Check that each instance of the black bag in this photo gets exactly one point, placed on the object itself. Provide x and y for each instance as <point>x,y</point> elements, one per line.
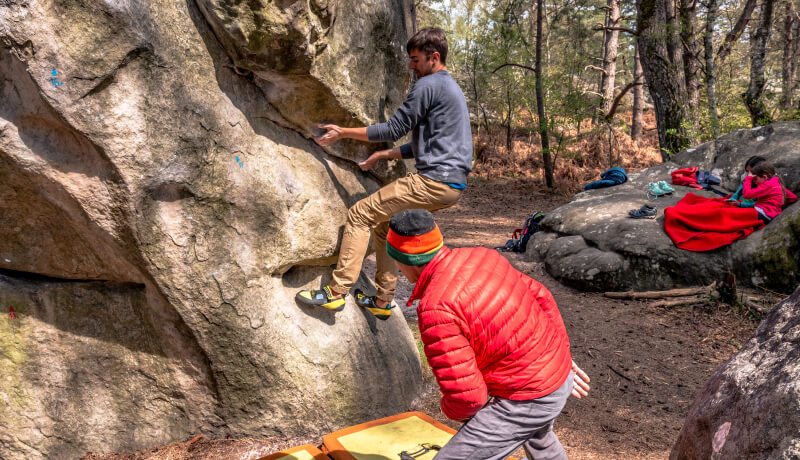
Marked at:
<point>520,238</point>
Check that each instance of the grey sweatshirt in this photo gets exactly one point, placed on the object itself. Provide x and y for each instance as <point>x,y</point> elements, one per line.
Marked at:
<point>435,112</point>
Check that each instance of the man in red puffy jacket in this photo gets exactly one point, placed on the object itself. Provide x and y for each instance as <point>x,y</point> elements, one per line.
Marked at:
<point>489,331</point>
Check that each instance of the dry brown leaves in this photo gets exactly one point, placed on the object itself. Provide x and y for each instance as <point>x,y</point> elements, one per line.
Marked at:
<point>582,157</point>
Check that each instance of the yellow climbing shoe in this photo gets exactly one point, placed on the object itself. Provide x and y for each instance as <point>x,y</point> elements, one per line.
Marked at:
<point>321,298</point>
<point>368,302</point>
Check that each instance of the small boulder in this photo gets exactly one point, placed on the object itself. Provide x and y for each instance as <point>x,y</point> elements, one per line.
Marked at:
<point>750,408</point>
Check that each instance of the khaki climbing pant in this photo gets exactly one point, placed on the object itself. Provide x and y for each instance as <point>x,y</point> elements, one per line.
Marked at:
<point>372,214</point>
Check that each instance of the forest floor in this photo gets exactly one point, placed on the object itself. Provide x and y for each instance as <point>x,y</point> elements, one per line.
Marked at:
<point>646,364</point>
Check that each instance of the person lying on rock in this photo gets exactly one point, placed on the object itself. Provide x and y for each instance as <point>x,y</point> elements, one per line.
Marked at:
<point>489,331</point>
<point>435,112</point>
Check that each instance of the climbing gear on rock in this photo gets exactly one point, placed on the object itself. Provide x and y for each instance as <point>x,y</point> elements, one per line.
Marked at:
<point>645,212</point>
<point>370,303</point>
<point>519,239</point>
<point>321,298</point>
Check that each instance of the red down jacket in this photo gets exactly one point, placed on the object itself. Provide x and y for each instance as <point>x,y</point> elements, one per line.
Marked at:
<point>488,330</point>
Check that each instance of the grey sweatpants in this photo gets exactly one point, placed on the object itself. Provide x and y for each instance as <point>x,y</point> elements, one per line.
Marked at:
<point>501,426</point>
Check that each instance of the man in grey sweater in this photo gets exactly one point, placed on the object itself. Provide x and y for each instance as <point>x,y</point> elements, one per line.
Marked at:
<point>436,113</point>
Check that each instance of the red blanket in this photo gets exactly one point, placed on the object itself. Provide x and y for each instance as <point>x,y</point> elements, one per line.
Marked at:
<point>696,223</point>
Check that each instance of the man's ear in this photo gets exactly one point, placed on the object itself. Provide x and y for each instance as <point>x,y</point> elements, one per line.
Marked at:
<point>436,57</point>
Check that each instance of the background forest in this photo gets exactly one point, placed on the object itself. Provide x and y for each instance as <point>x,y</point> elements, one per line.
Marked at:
<point>621,82</point>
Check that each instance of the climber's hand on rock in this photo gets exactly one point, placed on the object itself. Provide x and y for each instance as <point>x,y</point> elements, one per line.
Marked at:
<point>333,134</point>
<point>372,160</point>
<point>580,387</point>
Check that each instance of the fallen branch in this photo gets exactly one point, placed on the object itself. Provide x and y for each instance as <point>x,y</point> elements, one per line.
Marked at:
<point>194,440</point>
<point>619,373</point>
<point>753,303</point>
<point>682,292</point>
<point>677,302</point>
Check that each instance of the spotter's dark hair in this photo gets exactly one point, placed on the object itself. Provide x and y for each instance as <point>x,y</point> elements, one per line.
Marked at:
<point>428,41</point>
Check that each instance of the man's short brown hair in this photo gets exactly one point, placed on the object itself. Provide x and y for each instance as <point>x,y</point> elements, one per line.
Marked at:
<point>428,41</point>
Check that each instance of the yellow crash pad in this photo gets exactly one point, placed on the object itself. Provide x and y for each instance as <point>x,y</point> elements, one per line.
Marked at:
<point>304,452</point>
<point>386,438</point>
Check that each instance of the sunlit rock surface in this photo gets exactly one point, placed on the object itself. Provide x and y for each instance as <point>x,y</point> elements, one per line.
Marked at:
<point>161,203</point>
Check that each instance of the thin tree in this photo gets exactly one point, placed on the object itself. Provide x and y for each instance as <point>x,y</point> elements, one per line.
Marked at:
<point>610,50</point>
<point>753,99</point>
<point>711,82</point>
<point>791,54</point>
<point>638,97</point>
<point>736,31</point>
<point>691,65</point>
<point>547,159</point>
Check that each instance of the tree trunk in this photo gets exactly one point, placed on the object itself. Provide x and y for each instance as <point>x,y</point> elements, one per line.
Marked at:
<point>638,97</point>
<point>413,17</point>
<point>790,55</point>
<point>603,50</point>
<point>708,41</point>
<point>510,105</point>
<point>476,92</point>
<point>758,58</point>
<point>691,65</point>
<point>547,159</point>
<point>662,63</point>
<point>734,34</point>
<point>610,47</point>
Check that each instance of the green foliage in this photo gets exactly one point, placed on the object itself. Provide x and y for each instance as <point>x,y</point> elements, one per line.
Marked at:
<point>485,34</point>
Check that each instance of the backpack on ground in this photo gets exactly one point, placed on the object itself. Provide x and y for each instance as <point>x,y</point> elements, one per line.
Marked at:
<point>519,239</point>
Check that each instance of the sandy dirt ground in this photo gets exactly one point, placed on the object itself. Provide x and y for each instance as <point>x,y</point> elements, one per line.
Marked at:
<point>646,363</point>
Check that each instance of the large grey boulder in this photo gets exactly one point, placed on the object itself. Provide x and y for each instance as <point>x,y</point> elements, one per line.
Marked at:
<point>590,242</point>
<point>159,209</point>
<point>750,408</point>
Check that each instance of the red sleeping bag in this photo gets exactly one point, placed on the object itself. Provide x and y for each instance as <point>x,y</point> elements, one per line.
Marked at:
<point>696,223</point>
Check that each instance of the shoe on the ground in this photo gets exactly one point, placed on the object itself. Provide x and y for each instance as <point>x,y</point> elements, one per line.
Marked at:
<point>368,302</point>
<point>665,186</point>
<point>654,190</point>
<point>645,212</point>
<point>321,298</point>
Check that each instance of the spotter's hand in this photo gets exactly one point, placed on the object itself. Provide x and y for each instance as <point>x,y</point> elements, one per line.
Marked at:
<point>333,134</point>
<point>580,385</point>
<point>372,160</point>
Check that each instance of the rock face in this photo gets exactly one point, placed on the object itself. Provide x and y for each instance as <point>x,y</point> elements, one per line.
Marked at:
<point>750,408</point>
<point>591,243</point>
<point>161,203</point>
